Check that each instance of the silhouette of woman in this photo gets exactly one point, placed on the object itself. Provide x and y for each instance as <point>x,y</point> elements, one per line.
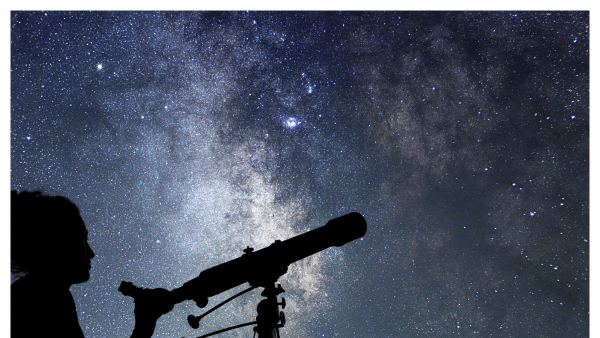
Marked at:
<point>49,244</point>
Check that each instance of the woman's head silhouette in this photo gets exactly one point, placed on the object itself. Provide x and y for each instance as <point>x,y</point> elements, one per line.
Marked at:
<point>49,238</point>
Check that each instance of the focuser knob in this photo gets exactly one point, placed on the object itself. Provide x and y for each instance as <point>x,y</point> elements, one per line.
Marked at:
<point>282,318</point>
<point>282,303</point>
<point>272,291</point>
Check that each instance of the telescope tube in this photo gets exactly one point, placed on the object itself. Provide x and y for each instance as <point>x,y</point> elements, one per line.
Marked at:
<point>268,264</point>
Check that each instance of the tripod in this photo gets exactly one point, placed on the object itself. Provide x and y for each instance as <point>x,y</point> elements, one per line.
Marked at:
<point>268,320</point>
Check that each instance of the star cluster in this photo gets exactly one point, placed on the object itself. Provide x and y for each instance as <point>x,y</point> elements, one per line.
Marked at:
<point>185,137</point>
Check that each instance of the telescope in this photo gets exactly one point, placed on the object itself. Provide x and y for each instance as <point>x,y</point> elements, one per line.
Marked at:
<point>260,268</point>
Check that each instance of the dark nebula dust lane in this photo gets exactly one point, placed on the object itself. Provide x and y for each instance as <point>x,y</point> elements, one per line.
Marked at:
<point>184,137</point>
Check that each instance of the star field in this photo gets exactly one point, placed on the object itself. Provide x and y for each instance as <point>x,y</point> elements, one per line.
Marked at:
<point>184,137</point>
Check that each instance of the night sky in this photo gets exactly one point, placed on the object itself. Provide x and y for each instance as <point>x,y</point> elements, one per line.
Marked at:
<point>183,137</point>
